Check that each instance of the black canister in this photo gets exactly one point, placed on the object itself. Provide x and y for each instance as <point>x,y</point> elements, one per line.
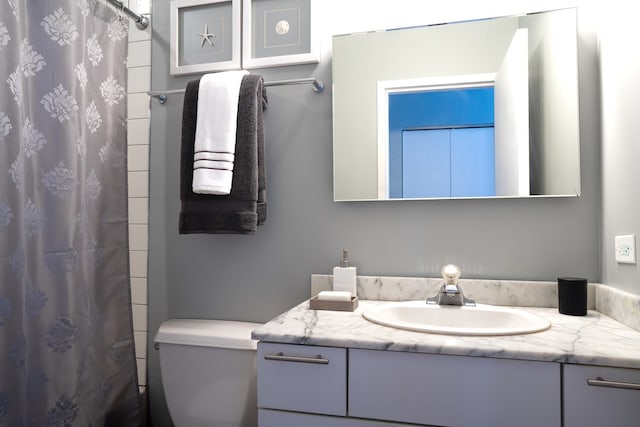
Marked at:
<point>572,296</point>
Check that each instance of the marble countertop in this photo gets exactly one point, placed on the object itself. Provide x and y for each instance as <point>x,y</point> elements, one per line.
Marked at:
<point>595,339</point>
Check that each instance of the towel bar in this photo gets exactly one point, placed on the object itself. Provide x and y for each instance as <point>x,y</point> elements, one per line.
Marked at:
<point>318,86</point>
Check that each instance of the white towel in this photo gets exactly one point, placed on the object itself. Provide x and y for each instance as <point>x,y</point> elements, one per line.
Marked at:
<point>215,139</point>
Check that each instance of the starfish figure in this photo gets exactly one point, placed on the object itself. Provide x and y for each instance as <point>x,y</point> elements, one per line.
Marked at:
<point>206,36</point>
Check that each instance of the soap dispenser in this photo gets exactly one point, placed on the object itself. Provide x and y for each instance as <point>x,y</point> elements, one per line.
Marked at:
<point>344,276</point>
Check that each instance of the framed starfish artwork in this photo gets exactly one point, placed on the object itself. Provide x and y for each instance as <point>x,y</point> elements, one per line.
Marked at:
<point>277,33</point>
<point>205,36</point>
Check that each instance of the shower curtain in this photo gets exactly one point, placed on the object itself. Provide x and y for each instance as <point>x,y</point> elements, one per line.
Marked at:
<point>66,340</point>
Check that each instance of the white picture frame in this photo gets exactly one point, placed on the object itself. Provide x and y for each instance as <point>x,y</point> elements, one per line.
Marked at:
<point>278,33</point>
<point>205,36</point>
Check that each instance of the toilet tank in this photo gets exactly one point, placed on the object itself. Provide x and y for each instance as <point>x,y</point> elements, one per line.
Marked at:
<point>208,370</point>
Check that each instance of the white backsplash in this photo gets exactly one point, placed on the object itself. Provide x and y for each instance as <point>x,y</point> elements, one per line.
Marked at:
<point>619,305</point>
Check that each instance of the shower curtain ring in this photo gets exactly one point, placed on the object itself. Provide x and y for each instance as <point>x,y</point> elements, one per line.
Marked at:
<point>120,11</point>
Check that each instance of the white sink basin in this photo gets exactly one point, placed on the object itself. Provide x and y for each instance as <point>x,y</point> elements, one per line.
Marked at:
<point>480,320</point>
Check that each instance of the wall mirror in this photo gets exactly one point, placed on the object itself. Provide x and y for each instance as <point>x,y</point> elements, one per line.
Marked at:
<point>485,108</point>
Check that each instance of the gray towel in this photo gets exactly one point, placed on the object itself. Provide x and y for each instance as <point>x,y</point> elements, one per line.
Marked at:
<point>245,207</point>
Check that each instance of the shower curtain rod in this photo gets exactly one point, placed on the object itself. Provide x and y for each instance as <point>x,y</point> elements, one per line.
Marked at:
<point>318,86</point>
<point>141,21</point>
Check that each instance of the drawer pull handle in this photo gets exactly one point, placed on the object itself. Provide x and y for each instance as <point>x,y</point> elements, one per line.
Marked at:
<point>318,360</point>
<point>599,382</point>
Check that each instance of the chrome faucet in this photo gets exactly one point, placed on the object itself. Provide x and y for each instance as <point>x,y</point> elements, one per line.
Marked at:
<point>450,292</point>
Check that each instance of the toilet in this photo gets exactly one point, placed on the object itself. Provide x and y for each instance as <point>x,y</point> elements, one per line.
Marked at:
<point>208,370</point>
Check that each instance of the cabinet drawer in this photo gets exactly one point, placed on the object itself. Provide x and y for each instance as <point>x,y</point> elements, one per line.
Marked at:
<point>597,396</point>
<point>271,418</point>
<point>453,390</point>
<point>302,378</point>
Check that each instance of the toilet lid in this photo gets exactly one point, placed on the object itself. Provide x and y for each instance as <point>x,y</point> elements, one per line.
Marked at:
<point>208,333</point>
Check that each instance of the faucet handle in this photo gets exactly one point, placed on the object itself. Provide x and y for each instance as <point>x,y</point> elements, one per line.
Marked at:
<point>451,273</point>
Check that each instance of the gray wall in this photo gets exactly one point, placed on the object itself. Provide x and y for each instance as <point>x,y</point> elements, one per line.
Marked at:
<point>620,147</point>
<point>255,278</point>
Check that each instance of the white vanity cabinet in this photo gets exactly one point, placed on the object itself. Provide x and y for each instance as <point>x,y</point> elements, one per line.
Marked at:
<point>302,378</point>
<point>336,387</point>
<point>270,418</point>
<point>597,396</point>
<point>453,390</point>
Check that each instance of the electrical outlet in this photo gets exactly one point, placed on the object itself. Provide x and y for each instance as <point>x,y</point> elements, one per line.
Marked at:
<point>626,249</point>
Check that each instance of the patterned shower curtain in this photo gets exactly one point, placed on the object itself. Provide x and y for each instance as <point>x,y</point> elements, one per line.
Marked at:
<point>66,340</point>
